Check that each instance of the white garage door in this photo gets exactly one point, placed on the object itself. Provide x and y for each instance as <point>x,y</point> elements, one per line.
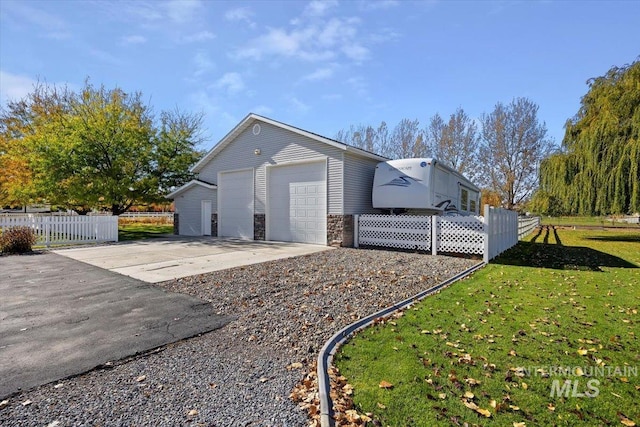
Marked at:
<point>297,203</point>
<point>235,204</point>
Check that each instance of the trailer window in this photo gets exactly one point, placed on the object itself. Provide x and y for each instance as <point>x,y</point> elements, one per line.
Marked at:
<point>464,199</point>
<point>472,206</point>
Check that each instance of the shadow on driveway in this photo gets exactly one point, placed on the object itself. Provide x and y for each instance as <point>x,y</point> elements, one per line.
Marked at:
<point>60,317</point>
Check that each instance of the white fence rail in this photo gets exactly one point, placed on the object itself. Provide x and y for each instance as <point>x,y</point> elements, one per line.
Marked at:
<point>488,236</point>
<point>527,225</point>
<point>56,230</point>
<point>168,215</point>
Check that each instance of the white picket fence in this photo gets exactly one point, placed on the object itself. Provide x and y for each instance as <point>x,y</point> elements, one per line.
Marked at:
<point>57,230</point>
<point>488,235</point>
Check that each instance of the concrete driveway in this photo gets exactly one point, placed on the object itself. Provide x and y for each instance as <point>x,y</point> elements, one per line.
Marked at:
<point>60,317</point>
<point>157,260</point>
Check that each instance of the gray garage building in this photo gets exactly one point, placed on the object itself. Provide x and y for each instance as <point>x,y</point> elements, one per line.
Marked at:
<point>266,180</point>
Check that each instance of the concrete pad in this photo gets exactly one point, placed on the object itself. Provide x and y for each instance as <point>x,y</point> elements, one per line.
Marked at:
<point>60,317</point>
<point>157,260</point>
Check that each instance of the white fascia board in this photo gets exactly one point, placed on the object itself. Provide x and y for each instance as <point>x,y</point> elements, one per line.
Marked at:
<point>188,185</point>
<point>247,120</point>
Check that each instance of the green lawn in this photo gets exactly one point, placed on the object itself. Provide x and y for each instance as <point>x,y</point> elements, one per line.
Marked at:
<point>138,231</point>
<point>509,337</point>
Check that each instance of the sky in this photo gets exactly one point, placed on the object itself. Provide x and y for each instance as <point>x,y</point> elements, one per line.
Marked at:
<point>321,65</point>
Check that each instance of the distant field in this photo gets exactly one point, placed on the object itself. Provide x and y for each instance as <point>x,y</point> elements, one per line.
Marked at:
<point>586,221</point>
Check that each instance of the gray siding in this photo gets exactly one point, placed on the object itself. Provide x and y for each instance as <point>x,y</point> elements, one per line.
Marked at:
<point>358,183</point>
<point>188,206</point>
<point>277,146</point>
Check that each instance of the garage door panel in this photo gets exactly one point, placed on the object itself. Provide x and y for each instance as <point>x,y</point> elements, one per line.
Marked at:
<point>297,203</point>
<point>235,206</point>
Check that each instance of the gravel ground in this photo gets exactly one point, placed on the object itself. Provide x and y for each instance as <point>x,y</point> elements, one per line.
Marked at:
<point>240,375</point>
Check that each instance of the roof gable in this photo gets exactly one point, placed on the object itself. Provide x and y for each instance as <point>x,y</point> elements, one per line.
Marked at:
<point>194,182</point>
<point>249,119</point>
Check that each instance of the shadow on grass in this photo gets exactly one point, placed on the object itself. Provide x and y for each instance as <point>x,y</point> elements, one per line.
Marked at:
<point>633,238</point>
<point>559,257</point>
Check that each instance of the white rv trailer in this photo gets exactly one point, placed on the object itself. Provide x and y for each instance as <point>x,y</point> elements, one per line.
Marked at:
<point>426,185</point>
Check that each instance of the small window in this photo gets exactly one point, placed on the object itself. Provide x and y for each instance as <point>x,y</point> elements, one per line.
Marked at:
<point>464,200</point>
<point>472,206</point>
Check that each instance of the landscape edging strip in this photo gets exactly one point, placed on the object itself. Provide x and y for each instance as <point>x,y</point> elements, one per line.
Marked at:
<point>325,358</point>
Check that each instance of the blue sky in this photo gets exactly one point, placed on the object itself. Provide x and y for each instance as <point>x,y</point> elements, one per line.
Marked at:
<point>321,65</point>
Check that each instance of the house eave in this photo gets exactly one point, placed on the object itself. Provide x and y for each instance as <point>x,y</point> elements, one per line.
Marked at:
<point>188,185</point>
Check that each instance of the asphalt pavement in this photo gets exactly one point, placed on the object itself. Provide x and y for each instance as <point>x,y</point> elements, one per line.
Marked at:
<point>60,317</point>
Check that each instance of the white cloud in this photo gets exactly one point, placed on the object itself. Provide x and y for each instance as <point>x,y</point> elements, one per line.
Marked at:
<point>262,110</point>
<point>50,24</point>
<point>240,14</point>
<point>199,37</point>
<point>104,56</point>
<point>384,35</point>
<point>356,52</point>
<point>319,7</point>
<point>134,39</point>
<point>14,87</point>
<point>332,96</point>
<point>182,11</point>
<point>232,83</point>
<point>378,4</point>
<point>359,86</point>
<point>320,74</point>
<point>322,40</point>
<point>203,63</point>
<point>297,106</point>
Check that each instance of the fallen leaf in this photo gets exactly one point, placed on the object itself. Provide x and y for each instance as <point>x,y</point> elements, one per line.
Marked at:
<point>295,365</point>
<point>472,381</point>
<point>469,395</point>
<point>141,378</point>
<point>521,424</point>
<point>442,396</point>
<point>385,384</point>
<point>470,405</point>
<point>524,386</point>
<point>4,404</point>
<point>582,351</point>
<point>579,372</point>
<point>27,402</point>
<point>515,408</point>
<point>626,421</point>
<point>551,407</point>
<point>380,405</point>
<point>493,403</point>
<point>192,413</point>
<point>483,412</point>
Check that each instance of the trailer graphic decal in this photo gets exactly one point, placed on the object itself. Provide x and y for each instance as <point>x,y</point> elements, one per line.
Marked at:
<point>402,181</point>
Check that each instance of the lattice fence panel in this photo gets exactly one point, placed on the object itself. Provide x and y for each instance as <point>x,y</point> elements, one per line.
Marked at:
<point>395,231</point>
<point>463,235</point>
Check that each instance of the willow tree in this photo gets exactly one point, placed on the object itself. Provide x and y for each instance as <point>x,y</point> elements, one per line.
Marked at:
<point>598,170</point>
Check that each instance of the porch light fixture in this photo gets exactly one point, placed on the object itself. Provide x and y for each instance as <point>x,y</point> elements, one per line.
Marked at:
<point>257,151</point>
